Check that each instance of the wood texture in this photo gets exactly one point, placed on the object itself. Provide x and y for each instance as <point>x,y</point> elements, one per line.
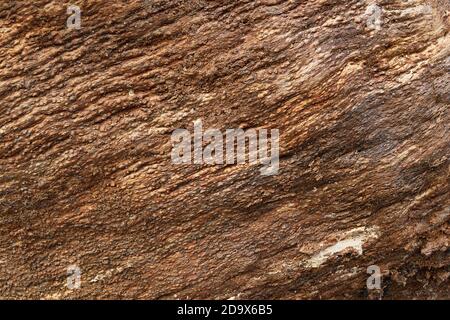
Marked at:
<point>86,176</point>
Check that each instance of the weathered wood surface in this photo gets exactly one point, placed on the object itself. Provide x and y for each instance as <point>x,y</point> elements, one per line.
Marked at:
<point>86,176</point>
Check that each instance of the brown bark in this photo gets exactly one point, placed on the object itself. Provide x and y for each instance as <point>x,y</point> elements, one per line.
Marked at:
<point>86,176</point>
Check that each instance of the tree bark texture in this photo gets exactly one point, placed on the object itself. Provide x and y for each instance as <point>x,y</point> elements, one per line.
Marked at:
<point>86,176</point>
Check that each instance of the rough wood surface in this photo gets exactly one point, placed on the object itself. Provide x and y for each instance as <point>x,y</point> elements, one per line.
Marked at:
<point>86,176</point>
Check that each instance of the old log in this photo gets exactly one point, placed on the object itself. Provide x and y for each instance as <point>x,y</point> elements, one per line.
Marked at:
<point>359,91</point>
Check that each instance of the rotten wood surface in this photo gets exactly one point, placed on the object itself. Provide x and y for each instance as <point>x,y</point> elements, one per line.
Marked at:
<point>86,177</point>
